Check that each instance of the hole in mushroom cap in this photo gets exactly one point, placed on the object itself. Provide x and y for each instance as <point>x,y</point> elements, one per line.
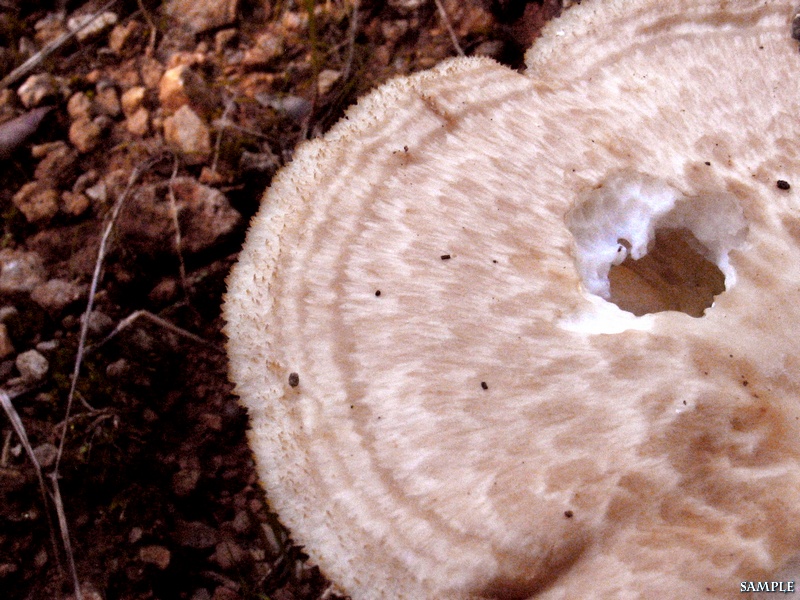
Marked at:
<point>642,247</point>
<point>673,275</point>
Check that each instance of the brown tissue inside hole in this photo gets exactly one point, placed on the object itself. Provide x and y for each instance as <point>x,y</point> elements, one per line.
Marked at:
<point>673,275</point>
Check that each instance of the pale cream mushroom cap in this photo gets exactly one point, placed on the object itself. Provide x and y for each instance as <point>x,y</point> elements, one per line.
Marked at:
<point>611,456</point>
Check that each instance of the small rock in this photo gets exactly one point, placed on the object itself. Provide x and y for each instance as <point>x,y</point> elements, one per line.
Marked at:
<point>185,481</point>
<point>46,455</point>
<point>117,369</point>
<point>394,30</point>
<point>11,479</point>
<point>27,47</point>
<point>263,163</point>
<point>211,421</point>
<point>85,135</point>
<point>107,101</point>
<point>37,200</point>
<point>99,323</point>
<point>182,86</point>
<point>132,99</point>
<point>55,295</point>
<point>6,370</point>
<point>225,593</point>
<point>39,151</point>
<point>79,106</point>
<point>406,6</point>
<point>195,535</point>
<point>8,312</point>
<point>85,181</point>
<point>151,70</point>
<point>6,346</point>
<point>88,27</point>
<point>155,555</point>
<point>326,79</point>
<point>124,36</point>
<point>40,559</point>
<point>20,271</point>
<point>242,522</point>
<point>491,48</point>
<point>88,592</point>
<point>98,193</point>
<point>294,107</point>
<point>47,346</point>
<point>50,28</point>
<point>7,569</point>
<point>32,366</point>
<point>211,177</point>
<point>204,215</point>
<point>201,16</point>
<point>74,204</point>
<point>164,292</point>
<point>139,122</point>
<point>223,39</point>
<point>135,535</point>
<point>228,554</point>
<point>187,134</point>
<point>267,48</point>
<point>37,89</point>
<point>59,165</point>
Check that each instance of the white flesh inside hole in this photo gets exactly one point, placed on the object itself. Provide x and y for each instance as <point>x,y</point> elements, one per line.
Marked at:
<point>688,239</point>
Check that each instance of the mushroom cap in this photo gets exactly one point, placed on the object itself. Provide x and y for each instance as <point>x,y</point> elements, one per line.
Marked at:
<point>607,455</point>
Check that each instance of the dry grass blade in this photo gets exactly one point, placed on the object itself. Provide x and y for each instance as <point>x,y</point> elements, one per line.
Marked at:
<point>351,41</point>
<point>62,526</point>
<point>173,209</point>
<point>22,434</point>
<point>104,241</point>
<point>144,314</point>
<point>153,28</point>
<point>449,26</point>
<point>35,60</point>
<point>101,253</point>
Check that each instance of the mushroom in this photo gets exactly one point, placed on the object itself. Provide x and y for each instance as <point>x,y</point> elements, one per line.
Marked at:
<point>493,424</point>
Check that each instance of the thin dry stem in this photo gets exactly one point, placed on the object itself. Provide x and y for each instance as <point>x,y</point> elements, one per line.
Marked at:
<point>449,26</point>
<point>173,209</point>
<point>101,253</point>
<point>104,241</point>
<point>144,314</point>
<point>6,450</point>
<point>223,121</point>
<point>351,41</point>
<point>62,525</point>
<point>153,29</point>
<point>22,434</point>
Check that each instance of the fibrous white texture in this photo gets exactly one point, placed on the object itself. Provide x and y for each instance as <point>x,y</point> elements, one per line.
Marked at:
<point>657,457</point>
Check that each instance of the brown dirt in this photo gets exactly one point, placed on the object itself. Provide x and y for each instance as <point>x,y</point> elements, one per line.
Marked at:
<point>158,484</point>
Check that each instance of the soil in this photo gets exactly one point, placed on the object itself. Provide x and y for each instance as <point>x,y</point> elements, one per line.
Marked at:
<point>156,481</point>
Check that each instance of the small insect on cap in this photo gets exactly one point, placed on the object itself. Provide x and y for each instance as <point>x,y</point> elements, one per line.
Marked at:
<point>580,378</point>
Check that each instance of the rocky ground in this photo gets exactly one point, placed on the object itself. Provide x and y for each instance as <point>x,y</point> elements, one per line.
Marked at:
<point>134,151</point>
